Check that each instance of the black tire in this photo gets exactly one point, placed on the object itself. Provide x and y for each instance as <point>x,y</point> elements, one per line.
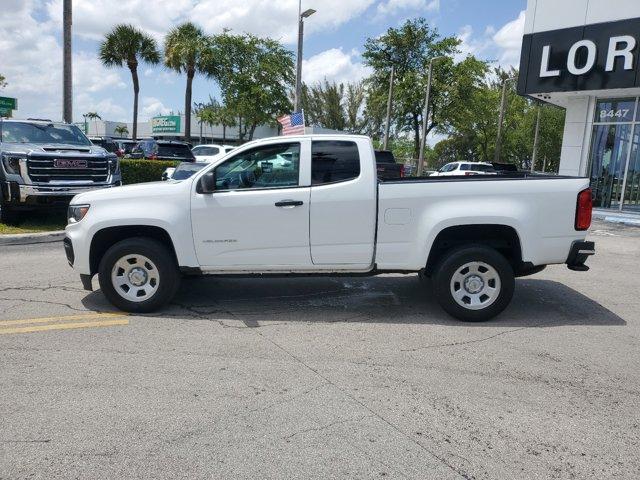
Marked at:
<point>8,216</point>
<point>478,256</point>
<point>162,259</point>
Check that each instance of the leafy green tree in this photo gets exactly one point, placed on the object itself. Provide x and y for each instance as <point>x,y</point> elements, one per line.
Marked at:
<point>187,50</point>
<point>255,75</point>
<point>3,81</point>
<point>472,127</point>
<point>127,45</point>
<point>332,105</point>
<point>121,130</point>
<point>93,116</point>
<point>409,49</point>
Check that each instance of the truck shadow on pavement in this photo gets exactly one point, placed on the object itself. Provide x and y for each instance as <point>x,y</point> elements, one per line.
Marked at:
<point>391,299</point>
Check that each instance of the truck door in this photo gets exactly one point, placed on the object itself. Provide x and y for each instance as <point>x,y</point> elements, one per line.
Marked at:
<point>343,203</point>
<point>258,217</point>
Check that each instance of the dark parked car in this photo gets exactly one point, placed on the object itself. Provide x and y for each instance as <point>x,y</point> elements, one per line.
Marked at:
<point>163,150</point>
<point>125,147</point>
<point>105,142</point>
<point>387,166</point>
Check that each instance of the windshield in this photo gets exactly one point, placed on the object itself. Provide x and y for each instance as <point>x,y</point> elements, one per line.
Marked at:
<point>186,170</point>
<point>202,151</point>
<point>23,132</point>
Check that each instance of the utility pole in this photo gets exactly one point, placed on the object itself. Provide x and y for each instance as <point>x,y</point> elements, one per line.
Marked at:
<point>425,117</point>
<point>536,139</point>
<point>389,106</point>
<point>301,16</point>
<point>67,78</point>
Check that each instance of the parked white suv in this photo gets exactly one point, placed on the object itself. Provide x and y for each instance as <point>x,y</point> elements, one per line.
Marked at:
<point>210,153</point>
<point>207,153</point>
<point>465,168</point>
<point>313,204</point>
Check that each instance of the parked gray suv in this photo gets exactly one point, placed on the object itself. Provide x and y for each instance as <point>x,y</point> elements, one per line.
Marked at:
<point>43,164</point>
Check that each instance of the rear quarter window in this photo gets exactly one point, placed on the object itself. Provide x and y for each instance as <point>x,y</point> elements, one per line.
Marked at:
<point>334,161</point>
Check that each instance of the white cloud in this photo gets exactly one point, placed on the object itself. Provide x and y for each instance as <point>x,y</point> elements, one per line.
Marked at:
<point>334,64</point>
<point>501,47</point>
<point>152,106</point>
<point>32,63</point>
<point>94,18</point>
<point>509,41</point>
<point>391,7</point>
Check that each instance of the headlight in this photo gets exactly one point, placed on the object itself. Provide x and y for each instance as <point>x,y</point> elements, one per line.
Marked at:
<point>114,165</point>
<point>11,163</point>
<point>77,213</point>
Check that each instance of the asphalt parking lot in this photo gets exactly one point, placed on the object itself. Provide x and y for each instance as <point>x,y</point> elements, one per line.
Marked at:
<point>321,378</point>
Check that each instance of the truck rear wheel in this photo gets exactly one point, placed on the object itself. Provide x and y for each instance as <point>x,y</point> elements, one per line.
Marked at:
<point>139,275</point>
<point>474,283</point>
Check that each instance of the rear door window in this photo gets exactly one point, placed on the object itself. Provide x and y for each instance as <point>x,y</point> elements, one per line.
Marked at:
<point>334,161</point>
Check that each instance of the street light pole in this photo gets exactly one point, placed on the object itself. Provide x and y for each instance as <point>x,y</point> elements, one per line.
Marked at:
<point>67,79</point>
<point>536,139</point>
<point>389,106</point>
<point>301,16</point>
<point>425,117</point>
<point>503,105</point>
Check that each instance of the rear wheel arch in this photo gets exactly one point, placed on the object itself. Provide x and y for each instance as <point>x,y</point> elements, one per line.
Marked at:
<point>502,238</point>
<point>107,237</point>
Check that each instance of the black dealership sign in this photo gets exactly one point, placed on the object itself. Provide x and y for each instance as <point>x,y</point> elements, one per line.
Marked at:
<point>593,57</point>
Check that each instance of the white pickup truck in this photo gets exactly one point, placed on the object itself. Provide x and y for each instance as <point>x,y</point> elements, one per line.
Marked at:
<point>313,205</point>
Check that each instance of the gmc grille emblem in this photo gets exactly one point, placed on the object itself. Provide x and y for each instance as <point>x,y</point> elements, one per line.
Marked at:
<point>69,163</point>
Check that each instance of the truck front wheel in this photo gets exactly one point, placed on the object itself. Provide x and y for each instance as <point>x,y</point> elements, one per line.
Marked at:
<point>474,283</point>
<point>139,275</point>
<point>8,216</point>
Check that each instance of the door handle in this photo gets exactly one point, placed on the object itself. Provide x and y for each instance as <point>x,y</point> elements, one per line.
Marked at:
<point>289,203</point>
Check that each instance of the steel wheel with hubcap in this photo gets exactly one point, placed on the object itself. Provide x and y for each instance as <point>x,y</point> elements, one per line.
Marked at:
<point>474,283</point>
<point>135,278</point>
<point>139,275</point>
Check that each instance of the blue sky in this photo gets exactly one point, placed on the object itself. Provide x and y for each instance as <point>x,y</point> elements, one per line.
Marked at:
<point>335,35</point>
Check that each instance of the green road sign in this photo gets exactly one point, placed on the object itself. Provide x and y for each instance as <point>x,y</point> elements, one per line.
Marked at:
<point>5,112</point>
<point>8,103</point>
<point>165,124</point>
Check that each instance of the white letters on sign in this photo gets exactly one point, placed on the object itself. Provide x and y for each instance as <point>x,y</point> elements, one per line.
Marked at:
<point>621,46</point>
<point>544,66</point>
<point>591,57</point>
<point>626,52</point>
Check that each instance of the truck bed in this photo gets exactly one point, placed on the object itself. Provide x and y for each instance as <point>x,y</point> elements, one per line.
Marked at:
<point>540,208</point>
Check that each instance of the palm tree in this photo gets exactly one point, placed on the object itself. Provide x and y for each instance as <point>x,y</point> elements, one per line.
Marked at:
<point>126,44</point>
<point>121,130</point>
<point>184,49</point>
<point>93,116</point>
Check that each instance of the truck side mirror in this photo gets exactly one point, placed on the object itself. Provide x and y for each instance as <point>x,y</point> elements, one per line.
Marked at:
<point>207,183</point>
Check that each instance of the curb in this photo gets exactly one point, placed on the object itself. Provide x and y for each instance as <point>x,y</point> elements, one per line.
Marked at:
<point>32,238</point>
<point>620,218</point>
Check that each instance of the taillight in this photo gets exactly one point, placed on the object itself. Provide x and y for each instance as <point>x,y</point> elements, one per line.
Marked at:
<point>153,156</point>
<point>583,210</point>
<point>402,170</point>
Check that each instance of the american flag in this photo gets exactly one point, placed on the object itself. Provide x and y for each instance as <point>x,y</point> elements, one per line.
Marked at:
<point>292,124</point>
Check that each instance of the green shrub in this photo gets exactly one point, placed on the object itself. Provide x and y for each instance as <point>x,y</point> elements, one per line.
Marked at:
<point>142,171</point>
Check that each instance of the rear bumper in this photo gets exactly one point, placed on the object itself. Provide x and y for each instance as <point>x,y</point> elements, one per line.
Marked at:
<point>578,255</point>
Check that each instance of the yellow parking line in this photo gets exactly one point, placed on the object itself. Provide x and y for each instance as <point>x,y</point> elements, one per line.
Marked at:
<point>64,326</point>
<point>86,316</point>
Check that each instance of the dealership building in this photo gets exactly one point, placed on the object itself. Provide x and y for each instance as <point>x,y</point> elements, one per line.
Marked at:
<point>584,55</point>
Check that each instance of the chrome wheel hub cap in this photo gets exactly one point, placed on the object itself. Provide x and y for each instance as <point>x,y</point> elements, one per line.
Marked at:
<point>135,278</point>
<point>475,285</point>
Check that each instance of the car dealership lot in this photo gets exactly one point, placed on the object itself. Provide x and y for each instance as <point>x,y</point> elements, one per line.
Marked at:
<point>321,378</point>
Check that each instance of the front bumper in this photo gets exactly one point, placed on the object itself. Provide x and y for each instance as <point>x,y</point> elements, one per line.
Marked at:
<point>578,255</point>
<point>32,195</point>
